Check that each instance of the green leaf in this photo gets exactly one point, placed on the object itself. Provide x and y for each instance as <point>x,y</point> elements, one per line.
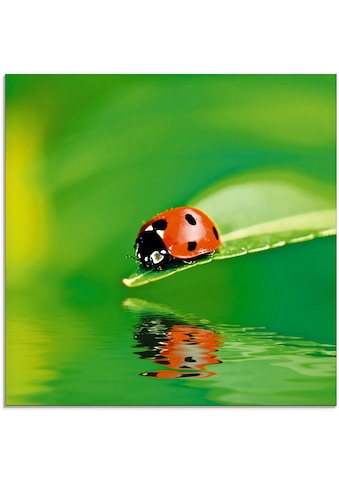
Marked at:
<point>258,211</point>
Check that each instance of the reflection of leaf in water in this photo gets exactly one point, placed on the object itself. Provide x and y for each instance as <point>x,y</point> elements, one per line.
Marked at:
<point>263,368</point>
<point>260,367</point>
<point>304,357</point>
<point>143,307</point>
<point>259,211</point>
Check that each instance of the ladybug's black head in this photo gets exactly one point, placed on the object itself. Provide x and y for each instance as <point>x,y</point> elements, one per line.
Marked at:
<point>151,250</point>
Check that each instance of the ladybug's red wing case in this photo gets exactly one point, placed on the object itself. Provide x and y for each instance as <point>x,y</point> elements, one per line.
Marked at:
<point>177,235</point>
<point>190,233</point>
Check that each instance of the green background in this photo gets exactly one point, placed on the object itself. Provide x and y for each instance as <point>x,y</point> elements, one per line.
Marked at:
<point>88,159</point>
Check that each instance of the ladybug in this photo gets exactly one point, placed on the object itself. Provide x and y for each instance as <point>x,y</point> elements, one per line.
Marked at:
<point>174,237</point>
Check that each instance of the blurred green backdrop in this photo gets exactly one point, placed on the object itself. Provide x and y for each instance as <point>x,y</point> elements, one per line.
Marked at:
<point>88,158</point>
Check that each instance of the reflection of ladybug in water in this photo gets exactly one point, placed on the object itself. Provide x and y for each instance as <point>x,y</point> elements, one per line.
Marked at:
<point>184,349</point>
<point>179,235</point>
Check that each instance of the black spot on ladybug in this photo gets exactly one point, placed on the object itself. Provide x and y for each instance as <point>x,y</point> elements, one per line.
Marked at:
<point>190,219</point>
<point>191,245</point>
<point>215,233</point>
<point>159,225</point>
